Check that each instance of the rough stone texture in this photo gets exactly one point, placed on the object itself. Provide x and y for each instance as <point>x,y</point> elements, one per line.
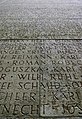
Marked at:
<point>60,89</point>
<point>40,79</point>
<point>40,19</point>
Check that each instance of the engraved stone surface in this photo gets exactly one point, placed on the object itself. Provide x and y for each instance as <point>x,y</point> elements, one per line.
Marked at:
<point>40,79</point>
<point>61,86</point>
<point>19,78</point>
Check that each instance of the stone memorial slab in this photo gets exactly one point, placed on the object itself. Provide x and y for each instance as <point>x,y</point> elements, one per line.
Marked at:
<point>19,79</point>
<point>61,86</point>
<point>40,79</point>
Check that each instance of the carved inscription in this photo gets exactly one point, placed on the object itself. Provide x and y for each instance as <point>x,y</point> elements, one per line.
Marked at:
<point>61,86</point>
<point>40,79</point>
<point>19,79</point>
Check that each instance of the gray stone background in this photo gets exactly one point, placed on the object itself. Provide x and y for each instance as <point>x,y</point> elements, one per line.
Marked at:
<point>41,19</point>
